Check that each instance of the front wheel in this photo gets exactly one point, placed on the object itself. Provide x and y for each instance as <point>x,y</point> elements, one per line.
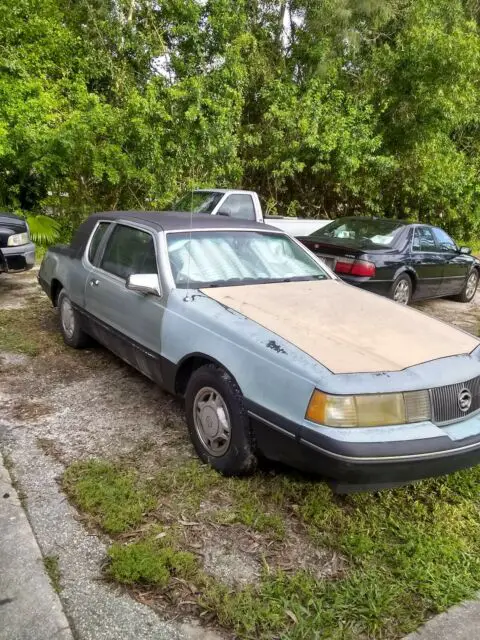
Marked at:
<point>401,290</point>
<point>218,422</point>
<point>70,324</point>
<point>470,288</point>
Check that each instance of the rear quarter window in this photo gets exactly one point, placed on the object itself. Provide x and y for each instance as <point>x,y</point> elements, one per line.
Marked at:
<point>96,240</point>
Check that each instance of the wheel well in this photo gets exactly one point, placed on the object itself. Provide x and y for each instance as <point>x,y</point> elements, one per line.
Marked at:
<point>55,289</point>
<point>412,275</point>
<point>187,368</point>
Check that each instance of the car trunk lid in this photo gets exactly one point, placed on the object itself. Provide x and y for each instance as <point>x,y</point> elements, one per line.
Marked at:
<point>345,258</point>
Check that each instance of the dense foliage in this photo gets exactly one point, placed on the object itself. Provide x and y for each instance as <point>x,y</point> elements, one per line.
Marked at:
<point>325,107</point>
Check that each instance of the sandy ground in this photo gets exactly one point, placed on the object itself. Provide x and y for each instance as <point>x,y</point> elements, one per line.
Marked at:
<point>62,405</point>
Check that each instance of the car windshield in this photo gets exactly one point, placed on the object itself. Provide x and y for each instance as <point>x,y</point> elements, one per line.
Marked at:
<point>362,232</point>
<point>223,258</point>
<point>198,202</point>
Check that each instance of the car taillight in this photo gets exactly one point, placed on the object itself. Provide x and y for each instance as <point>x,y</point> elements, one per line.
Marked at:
<point>363,268</point>
<point>355,267</point>
<point>344,266</point>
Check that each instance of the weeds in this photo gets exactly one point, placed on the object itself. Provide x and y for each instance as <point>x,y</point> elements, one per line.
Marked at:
<point>409,552</point>
<point>53,570</point>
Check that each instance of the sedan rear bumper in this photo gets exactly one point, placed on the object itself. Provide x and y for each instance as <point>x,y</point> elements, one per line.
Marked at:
<point>365,466</point>
<point>380,287</point>
<point>19,258</point>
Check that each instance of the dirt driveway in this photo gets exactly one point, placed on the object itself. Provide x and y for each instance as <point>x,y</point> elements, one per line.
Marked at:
<point>59,405</point>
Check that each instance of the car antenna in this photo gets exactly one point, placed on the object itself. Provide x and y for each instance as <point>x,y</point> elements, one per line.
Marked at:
<point>188,297</point>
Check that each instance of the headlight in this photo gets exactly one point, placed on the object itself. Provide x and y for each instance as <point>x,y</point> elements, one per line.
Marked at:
<point>373,410</point>
<point>17,239</point>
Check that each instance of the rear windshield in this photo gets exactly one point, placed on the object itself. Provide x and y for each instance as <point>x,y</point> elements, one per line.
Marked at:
<point>361,232</point>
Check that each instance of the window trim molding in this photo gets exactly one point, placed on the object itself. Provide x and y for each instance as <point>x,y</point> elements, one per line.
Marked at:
<point>139,227</point>
<point>425,226</point>
<point>99,250</point>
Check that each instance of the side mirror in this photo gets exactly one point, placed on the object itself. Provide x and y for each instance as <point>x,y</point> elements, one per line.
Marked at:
<point>146,283</point>
<point>465,250</point>
<point>223,213</point>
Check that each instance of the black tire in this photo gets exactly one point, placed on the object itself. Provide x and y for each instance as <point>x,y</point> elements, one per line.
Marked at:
<point>73,336</point>
<point>239,457</point>
<point>469,288</point>
<point>401,290</point>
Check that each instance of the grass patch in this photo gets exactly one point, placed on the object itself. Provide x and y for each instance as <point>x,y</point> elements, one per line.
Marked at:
<point>113,496</point>
<point>53,570</point>
<point>245,500</point>
<point>151,561</point>
<point>30,330</point>
<point>410,552</point>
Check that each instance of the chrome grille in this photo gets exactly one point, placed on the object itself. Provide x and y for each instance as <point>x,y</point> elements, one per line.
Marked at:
<point>445,401</point>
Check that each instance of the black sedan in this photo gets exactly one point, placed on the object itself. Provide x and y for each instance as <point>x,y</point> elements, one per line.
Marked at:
<point>401,261</point>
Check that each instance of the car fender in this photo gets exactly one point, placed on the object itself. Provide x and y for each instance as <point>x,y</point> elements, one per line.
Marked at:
<point>408,270</point>
<point>270,371</point>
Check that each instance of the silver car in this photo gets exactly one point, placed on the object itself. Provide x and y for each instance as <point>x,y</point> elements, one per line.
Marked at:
<point>273,354</point>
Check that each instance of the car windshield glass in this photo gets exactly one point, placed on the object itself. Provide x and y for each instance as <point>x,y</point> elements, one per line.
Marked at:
<point>224,258</point>
<point>362,232</point>
<point>198,202</point>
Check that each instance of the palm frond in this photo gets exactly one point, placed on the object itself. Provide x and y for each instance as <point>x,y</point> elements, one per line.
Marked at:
<point>43,229</point>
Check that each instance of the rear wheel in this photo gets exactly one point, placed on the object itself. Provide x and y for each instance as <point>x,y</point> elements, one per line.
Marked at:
<point>470,288</point>
<point>218,422</point>
<point>401,290</point>
<point>70,324</point>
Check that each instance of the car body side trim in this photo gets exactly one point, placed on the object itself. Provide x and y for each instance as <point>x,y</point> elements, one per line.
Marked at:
<point>271,424</point>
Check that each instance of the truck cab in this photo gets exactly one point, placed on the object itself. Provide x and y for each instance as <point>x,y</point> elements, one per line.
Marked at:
<point>226,202</point>
<point>237,203</point>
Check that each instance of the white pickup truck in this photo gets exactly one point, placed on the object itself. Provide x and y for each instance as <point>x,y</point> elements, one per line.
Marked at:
<point>243,204</point>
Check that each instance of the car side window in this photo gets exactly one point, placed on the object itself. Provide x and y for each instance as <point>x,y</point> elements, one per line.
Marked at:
<point>445,243</point>
<point>96,240</point>
<point>129,251</point>
<point>239,205</point>
<point>423,240</point>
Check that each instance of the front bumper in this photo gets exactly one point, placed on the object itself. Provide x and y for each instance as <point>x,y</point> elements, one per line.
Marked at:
<point>19,258</point>
<point>366,461</point>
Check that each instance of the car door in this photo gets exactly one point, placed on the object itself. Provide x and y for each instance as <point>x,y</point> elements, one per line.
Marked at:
<point>427,262</point>
<point>456,265</point>
<point>127,322</point>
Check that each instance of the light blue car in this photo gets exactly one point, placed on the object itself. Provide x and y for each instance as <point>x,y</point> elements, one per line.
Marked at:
<point>274,355</point>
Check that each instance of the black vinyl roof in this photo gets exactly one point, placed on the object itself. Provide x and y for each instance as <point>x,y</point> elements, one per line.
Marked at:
<point>163,221</point>
<point>177,220</point>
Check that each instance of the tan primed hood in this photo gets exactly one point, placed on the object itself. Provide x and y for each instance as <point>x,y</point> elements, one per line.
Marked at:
<point>346,329</point>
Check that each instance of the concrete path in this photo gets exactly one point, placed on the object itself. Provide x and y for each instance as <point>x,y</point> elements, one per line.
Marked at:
<point>458,623</point>
<point>29,607</point>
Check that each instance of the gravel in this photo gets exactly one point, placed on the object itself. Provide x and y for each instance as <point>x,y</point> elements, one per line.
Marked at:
<point>55,409</point>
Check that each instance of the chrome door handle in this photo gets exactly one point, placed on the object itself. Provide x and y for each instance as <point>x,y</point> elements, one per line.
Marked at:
<point>94,283</point>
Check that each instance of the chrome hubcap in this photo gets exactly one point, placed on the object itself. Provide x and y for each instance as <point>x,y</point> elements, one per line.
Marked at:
<point>402,292</point>
<point>471,285</point>
<point>212,421</point>
<point>67,317</point>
